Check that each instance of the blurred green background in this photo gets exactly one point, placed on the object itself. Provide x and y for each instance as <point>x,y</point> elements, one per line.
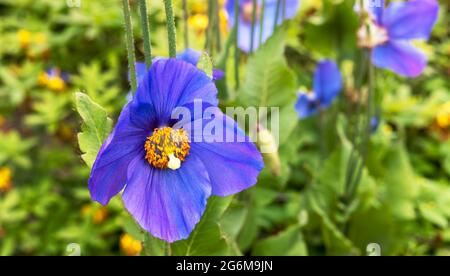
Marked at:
<point>402,203</point>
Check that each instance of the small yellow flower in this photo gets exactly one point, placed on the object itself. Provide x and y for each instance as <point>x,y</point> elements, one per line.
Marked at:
<point>387,129</point>
<point>100,215</point>
<point>199,22</point>
<point>24,37</point>
<point>53,82</point>
<point>130,246</point>
<point>5,179</point>
<point>443,116</point>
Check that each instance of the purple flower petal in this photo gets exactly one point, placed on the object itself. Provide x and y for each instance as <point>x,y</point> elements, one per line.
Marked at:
<point>172,83</point>
<point>411,20</point>
<point>400,57</point>
<point>108,175</point>
<point>190,56</point>
<point>327,82</point>
<point>231,160</point>
<point>167,203</point>
<point>306,105</point>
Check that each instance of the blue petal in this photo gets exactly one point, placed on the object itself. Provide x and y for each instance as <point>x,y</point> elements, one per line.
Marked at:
<point>231,160</point>
<point>327,82</point>
<point>167,203</point>
<point>306,105</point>
<point>400,57</point>
<point>171,83</point>
<point>244,36</point>
<point>218,74</point>
<point>411,20</point>
<point>190,56</point>
<point>109,171</point>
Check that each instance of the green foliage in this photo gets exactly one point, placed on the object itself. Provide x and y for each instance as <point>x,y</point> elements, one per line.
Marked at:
<point>95,129</point>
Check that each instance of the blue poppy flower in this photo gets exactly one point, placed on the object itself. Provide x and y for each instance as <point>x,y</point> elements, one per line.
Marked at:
<point>167,167</point>
<point>327,85</point>
<point>389,33</point>
<point>245,20</point>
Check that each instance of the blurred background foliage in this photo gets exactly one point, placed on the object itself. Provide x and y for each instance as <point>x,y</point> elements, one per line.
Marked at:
<point>49,51</point>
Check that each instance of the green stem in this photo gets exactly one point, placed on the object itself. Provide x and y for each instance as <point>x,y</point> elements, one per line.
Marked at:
<point>277,13</point>
<point>261,21</point>
<point>218,34</point>
<point>168,249</point>
<point>129,44</point>
<point>283,11</point>
<point>252,33</point>
<point>171,30</point>
<point>186,29</point>
<point>145,33</point>
<point>236,48</point>
<point>209,29</point>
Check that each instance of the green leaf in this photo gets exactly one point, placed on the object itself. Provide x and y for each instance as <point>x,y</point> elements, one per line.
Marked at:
<point>207,238</point>
<point>205,64</point>
<point>269,81</point>
<point>95,129</point>
<point>289,242</point>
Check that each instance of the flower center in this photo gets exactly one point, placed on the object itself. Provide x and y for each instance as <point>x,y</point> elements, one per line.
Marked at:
<point>372,35</point>
<point>167,148</point>
<point>247,12</point>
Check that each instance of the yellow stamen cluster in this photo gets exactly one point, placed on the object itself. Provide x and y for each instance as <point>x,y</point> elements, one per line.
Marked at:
<point>371,35</point>
<point>98,215</point>
<point>5,179</point>
<point>167,148</point>
<point>130,246</point>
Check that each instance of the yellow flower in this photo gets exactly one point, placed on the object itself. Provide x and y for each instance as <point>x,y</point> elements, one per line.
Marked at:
<point>199,22</point>
<point>5,179</point>
<point>53,82</point>
<point>100,215</point>
<point>24,37</point>
<point>443,116</point>
<point>130,246</point>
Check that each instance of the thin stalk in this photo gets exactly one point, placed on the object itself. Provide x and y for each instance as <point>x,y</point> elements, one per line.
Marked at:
<point>277,13</point>
<point>283,11</point>
<point>145,33</point>
<point>252,33</point>
<point>218,33</point>
<point>236,48</point>
<point>185,24</point>
<point>129,44</point>
<point>210,29</point>
<point>261,21</point>
<point>171,30</point>
<point>168,249</point>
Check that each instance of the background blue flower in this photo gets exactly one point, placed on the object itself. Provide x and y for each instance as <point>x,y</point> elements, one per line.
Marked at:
<point>245,23</point>
<point>327,85</point>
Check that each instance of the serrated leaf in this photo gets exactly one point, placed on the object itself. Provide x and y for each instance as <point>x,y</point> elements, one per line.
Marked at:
<point>95,129</point>
<point>269,81</point>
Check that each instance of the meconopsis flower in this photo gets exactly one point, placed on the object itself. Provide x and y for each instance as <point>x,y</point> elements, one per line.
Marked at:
<point>327,85</point>
<point>168,166</point>
<point>388,32</point>
<point>286,10</point>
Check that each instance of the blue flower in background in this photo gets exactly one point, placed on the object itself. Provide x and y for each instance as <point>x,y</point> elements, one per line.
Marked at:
<point>389,33</point>
<point>245,19</point>
<point>327,85</point>
<point>166,172</point>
